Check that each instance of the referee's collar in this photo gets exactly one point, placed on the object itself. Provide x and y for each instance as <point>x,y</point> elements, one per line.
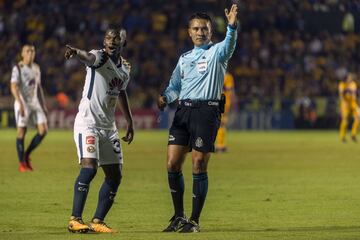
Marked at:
<point>204,47</point>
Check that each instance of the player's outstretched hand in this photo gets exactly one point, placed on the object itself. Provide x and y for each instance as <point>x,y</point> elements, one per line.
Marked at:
<point>70,52</point>
<point>232,14</point>
<point>129,134</point>
<point>161,102</point>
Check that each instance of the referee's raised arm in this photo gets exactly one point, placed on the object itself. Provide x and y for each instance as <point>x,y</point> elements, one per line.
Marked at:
<point>232,15</point>
<point>227,47</point>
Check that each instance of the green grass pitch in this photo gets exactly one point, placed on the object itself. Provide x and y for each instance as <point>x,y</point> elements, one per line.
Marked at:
<point>270,185</point>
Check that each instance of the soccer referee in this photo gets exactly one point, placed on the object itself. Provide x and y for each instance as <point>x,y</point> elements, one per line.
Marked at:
<point>197,82</point>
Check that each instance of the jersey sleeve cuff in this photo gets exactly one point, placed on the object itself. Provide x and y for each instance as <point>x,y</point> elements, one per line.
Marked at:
<point>232,27</point>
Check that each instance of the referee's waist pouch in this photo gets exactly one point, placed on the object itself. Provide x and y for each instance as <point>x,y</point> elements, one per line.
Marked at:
<point>222,103</point>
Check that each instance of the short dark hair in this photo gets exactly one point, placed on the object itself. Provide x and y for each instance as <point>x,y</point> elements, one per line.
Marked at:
<point>200,15</point>
<point>113,28</point>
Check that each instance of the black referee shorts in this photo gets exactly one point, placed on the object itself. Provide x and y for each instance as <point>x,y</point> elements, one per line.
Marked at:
<point>195,125</point>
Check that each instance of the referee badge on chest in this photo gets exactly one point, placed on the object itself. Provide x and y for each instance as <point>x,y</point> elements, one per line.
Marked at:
<point>202,66</point>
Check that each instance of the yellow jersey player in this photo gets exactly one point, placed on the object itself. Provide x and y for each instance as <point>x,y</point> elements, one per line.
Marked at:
<point>348,106</point>
<point>228,90</point>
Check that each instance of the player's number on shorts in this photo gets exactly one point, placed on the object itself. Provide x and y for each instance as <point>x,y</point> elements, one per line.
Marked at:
<point>116,146</point>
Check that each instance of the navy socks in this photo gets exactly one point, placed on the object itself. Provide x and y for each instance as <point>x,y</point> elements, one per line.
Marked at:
<point>177,187</point>
<point>81,188</point>
<point>20,149</point>
<point>107,194</point>
<point>200,188</point>
<point>34,143</point>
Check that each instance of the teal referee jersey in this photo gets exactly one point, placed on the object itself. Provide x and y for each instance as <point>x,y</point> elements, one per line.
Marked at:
<point>199,73</point>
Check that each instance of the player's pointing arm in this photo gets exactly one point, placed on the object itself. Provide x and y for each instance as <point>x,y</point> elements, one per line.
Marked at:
<point>85,57</point>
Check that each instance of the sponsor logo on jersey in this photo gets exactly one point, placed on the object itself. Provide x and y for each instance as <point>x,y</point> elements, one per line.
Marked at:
<point>90,140</point>
<point>115,85</point>
<point>199,142</point>
<point>91,149</point>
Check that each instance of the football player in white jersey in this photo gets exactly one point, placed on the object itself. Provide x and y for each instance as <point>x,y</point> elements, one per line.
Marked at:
<point>29,104</point>
<point>95,132</point>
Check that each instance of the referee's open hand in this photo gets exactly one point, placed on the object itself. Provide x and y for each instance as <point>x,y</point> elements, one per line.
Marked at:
<point>232,14</point>
<point>161,102</point>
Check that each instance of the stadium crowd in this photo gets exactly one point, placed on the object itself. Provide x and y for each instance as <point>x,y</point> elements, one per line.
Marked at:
<point>276,54</point>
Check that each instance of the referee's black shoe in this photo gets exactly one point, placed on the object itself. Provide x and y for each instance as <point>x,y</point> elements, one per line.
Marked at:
<point>190,227</point>
<point>176,223</point>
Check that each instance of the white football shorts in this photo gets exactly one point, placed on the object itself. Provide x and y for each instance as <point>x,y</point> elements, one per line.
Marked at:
<point>33,116</point>
<point>103,145</point>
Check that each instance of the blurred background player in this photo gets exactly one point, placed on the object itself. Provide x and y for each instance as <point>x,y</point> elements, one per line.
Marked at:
<point>95,132</point>
<point>348,106</point>
<point>228,91</point>
<point>29,104</point>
